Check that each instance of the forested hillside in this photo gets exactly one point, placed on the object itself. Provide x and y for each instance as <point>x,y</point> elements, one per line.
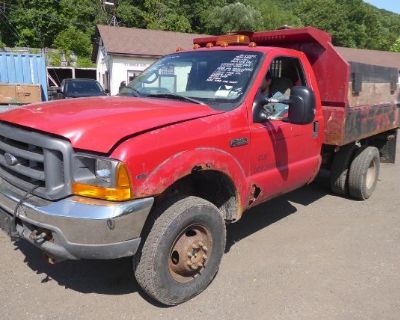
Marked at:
<point>70,24</point>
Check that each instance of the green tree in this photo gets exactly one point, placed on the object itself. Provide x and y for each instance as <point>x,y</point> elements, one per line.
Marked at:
<point>352,23</point>
<point>130,15</point>
<point>274,15</point>
<point>73,40</point>
<point>391,25</point>
<point>82,14</point>
<point>197,11</point>
<point>396,46</point>
<point>233,17</point>
<point>33,23</point>
<point>37,23</point>
<point>164,16</point>
<point>336,20</point>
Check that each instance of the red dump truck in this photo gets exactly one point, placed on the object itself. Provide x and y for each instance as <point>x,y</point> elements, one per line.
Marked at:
<point>188,146</point>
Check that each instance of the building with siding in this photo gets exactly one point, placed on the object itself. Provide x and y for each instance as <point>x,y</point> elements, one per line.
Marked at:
<point>123,53</point>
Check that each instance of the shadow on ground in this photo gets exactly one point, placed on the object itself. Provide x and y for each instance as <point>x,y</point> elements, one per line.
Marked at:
<point>86,276</point>
<point>115,277</point>
<point>274,210</point>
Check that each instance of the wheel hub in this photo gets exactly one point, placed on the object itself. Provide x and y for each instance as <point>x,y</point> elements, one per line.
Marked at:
<point>197,257</point>
<point>189,253</point>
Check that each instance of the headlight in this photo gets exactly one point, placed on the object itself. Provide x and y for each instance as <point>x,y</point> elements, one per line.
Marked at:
<point>104,169</point>
<point>101,178</point>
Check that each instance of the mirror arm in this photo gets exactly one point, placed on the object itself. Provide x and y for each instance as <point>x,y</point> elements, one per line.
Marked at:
<point>284,101</point>
<point>263,115</point>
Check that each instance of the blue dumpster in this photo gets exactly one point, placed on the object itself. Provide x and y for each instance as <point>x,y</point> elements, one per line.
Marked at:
<point>24,68</point>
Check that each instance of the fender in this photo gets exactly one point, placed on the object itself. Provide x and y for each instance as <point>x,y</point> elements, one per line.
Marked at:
<point>185,162</point>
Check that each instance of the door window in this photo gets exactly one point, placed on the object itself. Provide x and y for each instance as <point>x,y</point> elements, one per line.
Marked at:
<point>282,75</point>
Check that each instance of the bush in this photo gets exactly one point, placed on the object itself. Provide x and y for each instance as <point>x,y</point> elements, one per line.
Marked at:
<point>84,62</point>
<point>73,40</point>
<point>54,59</point>
<point>396,46</point>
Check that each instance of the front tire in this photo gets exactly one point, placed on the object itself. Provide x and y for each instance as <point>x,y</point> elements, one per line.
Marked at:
<point>182,252</point>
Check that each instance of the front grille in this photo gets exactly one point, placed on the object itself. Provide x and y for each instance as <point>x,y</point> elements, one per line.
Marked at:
<point>32,160</point>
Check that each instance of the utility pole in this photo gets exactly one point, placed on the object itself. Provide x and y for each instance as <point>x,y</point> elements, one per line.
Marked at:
<point>111,4</point>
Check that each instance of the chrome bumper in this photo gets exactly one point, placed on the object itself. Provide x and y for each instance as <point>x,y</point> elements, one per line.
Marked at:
<point>77,227</point>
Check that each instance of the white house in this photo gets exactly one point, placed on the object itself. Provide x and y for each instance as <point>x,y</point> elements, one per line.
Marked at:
<point>123,53</point>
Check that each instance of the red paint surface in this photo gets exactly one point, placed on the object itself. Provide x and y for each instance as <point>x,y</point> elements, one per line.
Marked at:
<point>96,124</point>
<point>159,158</point>
<point>284,156</point>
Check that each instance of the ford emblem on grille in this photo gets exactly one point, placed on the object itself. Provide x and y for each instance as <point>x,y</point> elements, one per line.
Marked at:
<point>10,159</point>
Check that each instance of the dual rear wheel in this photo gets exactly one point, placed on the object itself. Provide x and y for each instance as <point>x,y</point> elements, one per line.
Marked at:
<point>355,171</point>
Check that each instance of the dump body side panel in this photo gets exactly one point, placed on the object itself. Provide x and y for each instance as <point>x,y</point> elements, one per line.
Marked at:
<point>372,109</point>
<point>343,126</point>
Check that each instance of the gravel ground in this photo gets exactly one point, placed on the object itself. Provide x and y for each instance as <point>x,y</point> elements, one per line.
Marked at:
<point>306,255</point>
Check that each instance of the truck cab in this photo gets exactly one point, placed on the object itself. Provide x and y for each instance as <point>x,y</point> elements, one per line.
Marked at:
<point>230,81</point>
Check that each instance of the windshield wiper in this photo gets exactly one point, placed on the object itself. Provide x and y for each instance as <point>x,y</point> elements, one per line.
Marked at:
<point>174,96</point>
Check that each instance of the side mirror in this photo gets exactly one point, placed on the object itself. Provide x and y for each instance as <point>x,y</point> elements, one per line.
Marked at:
<point>259,113</point>
<point>301,105</point>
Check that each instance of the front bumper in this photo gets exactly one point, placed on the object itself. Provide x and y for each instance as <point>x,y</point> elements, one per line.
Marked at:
<point>75,227</point>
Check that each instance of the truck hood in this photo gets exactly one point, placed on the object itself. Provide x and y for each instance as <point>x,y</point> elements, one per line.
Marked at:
<point>98,123</point>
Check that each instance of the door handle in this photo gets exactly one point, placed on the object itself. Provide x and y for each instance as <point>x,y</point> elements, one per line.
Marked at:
<point>315,129</point>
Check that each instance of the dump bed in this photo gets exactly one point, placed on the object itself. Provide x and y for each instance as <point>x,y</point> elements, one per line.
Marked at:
<point>359,100</point>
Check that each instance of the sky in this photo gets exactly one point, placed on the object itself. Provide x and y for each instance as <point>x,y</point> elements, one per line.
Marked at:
<point>390,5</point>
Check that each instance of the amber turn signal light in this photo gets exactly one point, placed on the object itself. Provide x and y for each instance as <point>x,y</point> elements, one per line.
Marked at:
<point>121,192</point>
<point>233,39</point>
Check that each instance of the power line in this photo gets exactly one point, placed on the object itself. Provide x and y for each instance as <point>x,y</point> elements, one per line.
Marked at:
<point>11,28</point>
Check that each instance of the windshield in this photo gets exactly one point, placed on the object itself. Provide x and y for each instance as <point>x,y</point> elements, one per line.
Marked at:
<point>82,87</point>
<point>216,78</point>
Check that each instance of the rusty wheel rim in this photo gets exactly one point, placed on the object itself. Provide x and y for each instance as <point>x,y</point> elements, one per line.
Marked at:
<point>190,253</point>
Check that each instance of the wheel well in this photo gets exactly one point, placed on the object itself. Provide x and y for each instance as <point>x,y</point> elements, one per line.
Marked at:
<point>211,185</point>
<point>386,143</point>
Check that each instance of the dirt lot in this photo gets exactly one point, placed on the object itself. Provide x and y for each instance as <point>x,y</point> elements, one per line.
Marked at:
<point>307,255</point>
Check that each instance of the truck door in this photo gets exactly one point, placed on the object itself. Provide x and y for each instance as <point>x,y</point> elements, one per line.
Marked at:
<point>284,156</point>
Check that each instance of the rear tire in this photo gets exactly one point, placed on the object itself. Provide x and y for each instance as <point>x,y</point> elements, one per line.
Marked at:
<point>364,173</point>
<point>182,252</point>
<point>340,168</point>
